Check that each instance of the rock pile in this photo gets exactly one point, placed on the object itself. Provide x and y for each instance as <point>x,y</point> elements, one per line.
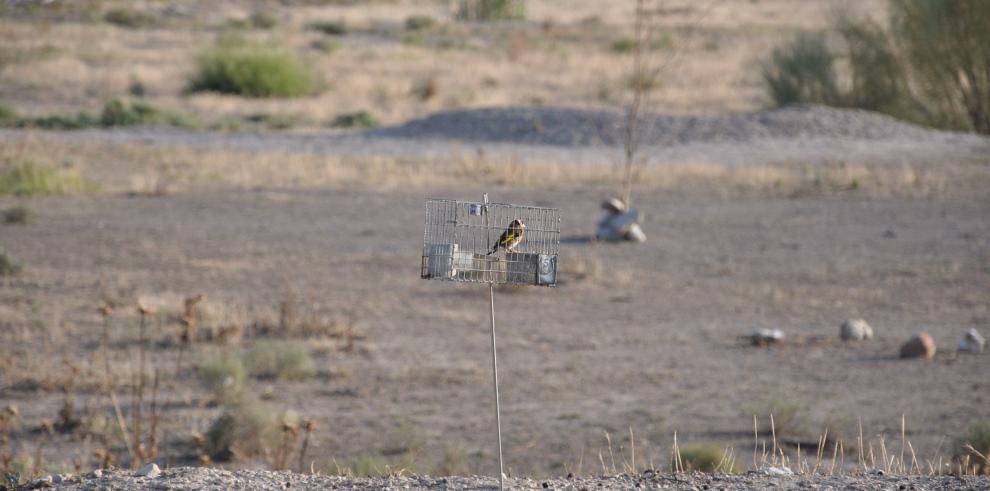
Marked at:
<point>619,223</point>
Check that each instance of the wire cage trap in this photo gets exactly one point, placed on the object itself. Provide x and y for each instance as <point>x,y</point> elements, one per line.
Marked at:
<point>491,243</point>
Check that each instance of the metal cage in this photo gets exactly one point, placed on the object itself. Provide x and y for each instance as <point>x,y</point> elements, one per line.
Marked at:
<point>460,237</point>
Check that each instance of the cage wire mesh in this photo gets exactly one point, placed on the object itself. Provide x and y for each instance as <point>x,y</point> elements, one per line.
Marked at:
<point>490,243</point>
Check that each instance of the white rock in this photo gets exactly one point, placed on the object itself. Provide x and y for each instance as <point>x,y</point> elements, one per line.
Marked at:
<point>150,471</point>
<point>855,330</point>
<point>972,342</point>
<point>97,473</point>
<point>776,471</point>
<point>762,336</point>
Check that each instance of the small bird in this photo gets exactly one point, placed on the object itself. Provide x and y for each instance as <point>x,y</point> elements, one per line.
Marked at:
<point>511,237</point>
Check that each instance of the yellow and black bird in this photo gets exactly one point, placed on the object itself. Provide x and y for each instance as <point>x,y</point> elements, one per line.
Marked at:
<point>511,237</point>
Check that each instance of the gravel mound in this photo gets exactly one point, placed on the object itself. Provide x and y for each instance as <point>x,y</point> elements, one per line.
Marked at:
<point>575,127</point>
<point>219,479</point>
<point>802,134</point>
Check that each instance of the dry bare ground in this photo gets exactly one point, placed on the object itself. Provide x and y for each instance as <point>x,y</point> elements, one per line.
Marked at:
<point>312,240</point>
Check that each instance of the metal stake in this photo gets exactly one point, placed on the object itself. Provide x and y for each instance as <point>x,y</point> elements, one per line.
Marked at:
<point>498,412</point>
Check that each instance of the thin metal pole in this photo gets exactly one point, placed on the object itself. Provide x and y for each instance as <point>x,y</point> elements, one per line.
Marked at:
<point>498,417</point>
<point>498,412</point>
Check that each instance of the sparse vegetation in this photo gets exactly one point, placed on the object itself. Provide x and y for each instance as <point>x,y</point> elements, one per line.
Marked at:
<point>289,360</point>
<point>237,66</point>
<point>17,215</point>
<point>491,10</point>
<point>244,429</point>
<point>223,375</point>
<point>707,458</point>
<point>360,119</point>
<point>263,20</point>
<point>973,447</point>
<point>8,265</point>
<point>419,22</point>
<point>131,19</point>
<point>28,179</point>
<point>121,113</point>
<point>929,67</point>
<point>330,27</point>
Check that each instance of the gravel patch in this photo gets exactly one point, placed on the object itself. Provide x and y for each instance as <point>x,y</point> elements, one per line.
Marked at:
<point>801,134</point>
<point>219,479</point>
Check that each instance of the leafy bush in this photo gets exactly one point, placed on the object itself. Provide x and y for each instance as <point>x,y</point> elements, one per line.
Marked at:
<point>932,66</point>
<point>26,179</point>
<point>19,215</point>
<point>242,429</point>
<point>280,359</point>
<point>236,66</point>
<point>330,27</point>
<point>490,10</point>
<point>419,22</point>
<point>263,20</point>
<point>360,119</point>
<point>7,115</point>
<point>946,45</point>
<point>58,122</point>
<point>224,376</point>
<point>802,71</point>
<point>977,437</point>
<point>706,458</point>
<point>119,113</point>
<point>8,265</point>
<point>130,19</point>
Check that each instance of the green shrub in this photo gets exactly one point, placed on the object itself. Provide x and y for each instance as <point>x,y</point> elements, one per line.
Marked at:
<point>325,45</point>
<point>802,71</point>
<point>330,27</point>
<point>490,10</point>
<point>57,122</point>
<point>251,69</point>
<point>130,19</point>
<point>243,429</point>
<point>224,376</point>
<point>8,116</point>
<point>932,66</point>
<point>360,119</point>
<point>978,437</point>
<point>26,179</point>
<point>8,265</point>
<point>624,45</point>
<point>280,359</point>
<point>706,458</point>
<point>18,215</point>
<point>419,22</point>
<point>119,113</point>
<point>263,20</point>
<point>946,45</point>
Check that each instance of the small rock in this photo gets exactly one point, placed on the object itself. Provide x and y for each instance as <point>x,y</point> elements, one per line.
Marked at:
<point>764,337</point>
<point>150,471</point>
<point>972,342</point>
<point>920,346</point>
<point>855,330</point>
<point>45,481</point>
<point>97,473</point>
<point>61,478</point>
<point>776,471</point>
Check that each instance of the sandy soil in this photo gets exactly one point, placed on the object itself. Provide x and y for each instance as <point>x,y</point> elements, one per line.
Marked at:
<point>642,339</point>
